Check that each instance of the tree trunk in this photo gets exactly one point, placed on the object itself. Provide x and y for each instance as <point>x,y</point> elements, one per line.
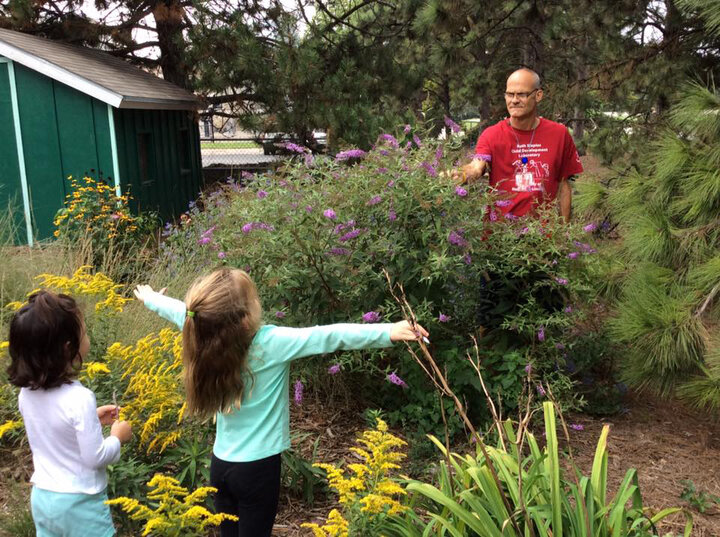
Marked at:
<point>169,22</point>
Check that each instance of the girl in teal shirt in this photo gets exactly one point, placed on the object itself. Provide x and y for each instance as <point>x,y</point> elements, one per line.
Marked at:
<point>239,370</point>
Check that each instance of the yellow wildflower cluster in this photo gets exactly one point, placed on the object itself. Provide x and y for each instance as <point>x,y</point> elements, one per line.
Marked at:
<point>178,511</point>
<point>369,488</point>
<point>94,206</point>
<point>154,400</point>
<point>84,283</point>
<point>93,369</point>
<point>10,426</point>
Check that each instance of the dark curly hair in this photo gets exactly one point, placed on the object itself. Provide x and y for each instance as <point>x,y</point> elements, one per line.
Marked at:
<point>45,337</point>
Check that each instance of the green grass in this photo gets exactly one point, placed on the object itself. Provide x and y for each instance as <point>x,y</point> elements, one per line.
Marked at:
<point>231,144</point>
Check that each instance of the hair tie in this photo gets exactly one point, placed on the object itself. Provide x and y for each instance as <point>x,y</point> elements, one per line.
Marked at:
<point>190,313</point>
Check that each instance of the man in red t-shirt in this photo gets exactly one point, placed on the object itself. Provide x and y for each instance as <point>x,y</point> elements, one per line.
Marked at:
<point>530,157</point>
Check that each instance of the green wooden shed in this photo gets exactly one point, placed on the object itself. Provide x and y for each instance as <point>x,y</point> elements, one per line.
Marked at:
<point>68,110</point>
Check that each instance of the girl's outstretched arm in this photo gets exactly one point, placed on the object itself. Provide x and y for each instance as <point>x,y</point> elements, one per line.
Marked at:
<point>168,308</point>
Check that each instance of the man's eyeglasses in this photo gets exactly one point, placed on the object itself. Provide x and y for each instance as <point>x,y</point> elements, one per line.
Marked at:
<point>522,95</point>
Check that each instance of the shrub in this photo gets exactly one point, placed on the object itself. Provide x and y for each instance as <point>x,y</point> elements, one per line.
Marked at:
<point>315,237</point>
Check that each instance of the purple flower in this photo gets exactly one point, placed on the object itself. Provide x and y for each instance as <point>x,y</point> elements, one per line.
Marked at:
<point>350,153</point>
<point>457,238</point>
<point>540,390</point>
<point>308,208</point>
<point>295,148</point>
<point>417,141</point>
<point>298,392</point>
<point>453,126</point>
<point>510,216</point>
<point>503,203</point>
<point>525,231</point>
<point>438,153</point>
<point>561,281</point>
<point>406,130</point>
<point>392,216</point>
<point>391,183</point>
<point>382,170</point>
<point>432,172</point>
<point>204,240</point>
<point>371,317</point>
<point>592,226</point>
<point>493,216</point>
<point>247,228</point>
<point>280,314</point>
<point>528,369</point>
<point>329,213</point>
<point>222,255</point>
<point>389,138</point>
<point>374,200</point>
<point>262,194</point>
<point>350,235</point>
<point>394,379</point>
<point>309,159</point>
<point>573,255</point>
<point>577,426</point>
<point>559,346</point>
<point>443,318</point>
<point>460,191</point>
<point>568,309</point>
<point>334,369</point>
<point>339,251</point>
<point>467,259</point>
<point>541,334</point>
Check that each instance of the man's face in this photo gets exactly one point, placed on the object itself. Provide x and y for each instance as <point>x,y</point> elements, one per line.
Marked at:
<point>521,95</point>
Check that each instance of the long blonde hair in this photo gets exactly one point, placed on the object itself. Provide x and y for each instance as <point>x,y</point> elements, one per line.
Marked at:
<point>223,317</point>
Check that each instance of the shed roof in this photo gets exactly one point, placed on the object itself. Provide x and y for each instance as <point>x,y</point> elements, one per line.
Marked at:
<point>95,73</point>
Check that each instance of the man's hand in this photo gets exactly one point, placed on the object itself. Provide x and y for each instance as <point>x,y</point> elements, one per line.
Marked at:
<point>470,172</point>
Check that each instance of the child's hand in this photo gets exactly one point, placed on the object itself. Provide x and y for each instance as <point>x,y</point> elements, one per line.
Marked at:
<point>107,414</point>
<point>404,331</point>
<point>142,292</point>
<point>122,430</point>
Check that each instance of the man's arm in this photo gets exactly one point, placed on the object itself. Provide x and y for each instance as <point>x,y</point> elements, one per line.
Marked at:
<point>565,199</point>
<point>470,172</point>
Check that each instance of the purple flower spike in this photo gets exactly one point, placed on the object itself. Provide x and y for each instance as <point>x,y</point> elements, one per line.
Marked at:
<point>374,200</point>
<point>406,130</point>
<point>334,369</point>
<point>432,172</point>
<point>568,309</point>
<point>339,251</point>
<point>308,208</point>
<point>460,191</point>
<point>468,259</point>
<point>453,126</point>
<point>503,203</point>
<point>573,255</point>
<point>204,240</point>
<point>540,390</point>
<point>456,238</point>
<point>443,318</point>
<point>222,255</point>
<point>561,281</point>
<point>577,426</point>
<point>329,213</point>
<point>528,369</point>
<point>350,153</point>
<point>389,138</point>
<point>371,317</point>
<point>295,148</point>
<point>262,194</point>
<point>280,314</point>
<point>541,334</point>
<point>298,396</point>
<point>394,379</point>
<point>592,226</point>
<point>493,216</point>
<point>392,216</point>
<point>350,235</point>
<point>417,141</point>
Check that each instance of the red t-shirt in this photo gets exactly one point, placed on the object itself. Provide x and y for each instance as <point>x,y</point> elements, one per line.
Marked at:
<point>528,165</point>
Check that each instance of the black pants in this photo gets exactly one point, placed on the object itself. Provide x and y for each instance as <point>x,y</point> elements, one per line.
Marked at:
<point>248,490</point>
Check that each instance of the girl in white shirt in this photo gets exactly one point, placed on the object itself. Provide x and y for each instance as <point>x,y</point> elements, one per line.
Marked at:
<point>48,342</point>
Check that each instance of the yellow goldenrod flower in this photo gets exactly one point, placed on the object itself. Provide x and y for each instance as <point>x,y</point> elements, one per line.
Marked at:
<point>10,426</point>
<point>93,369</point>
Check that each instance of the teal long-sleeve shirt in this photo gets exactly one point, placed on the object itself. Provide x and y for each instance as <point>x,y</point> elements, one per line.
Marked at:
<point>261,426</point>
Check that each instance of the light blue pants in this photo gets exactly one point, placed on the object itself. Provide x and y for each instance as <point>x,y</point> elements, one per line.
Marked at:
<point>60,514</point>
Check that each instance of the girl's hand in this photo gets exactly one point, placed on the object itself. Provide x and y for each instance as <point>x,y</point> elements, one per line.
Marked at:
<point>404,331</point>
<point>122,430</point>
<point>107,414</point>
<point>142,292</point>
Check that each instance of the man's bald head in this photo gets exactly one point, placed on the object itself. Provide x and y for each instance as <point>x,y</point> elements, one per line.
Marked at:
<point>525,76</point>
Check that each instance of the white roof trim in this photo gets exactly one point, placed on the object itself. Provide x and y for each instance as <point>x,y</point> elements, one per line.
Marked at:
<point>61,75</point>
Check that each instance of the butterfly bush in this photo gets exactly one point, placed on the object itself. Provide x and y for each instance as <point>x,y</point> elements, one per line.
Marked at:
<point>316,239</point>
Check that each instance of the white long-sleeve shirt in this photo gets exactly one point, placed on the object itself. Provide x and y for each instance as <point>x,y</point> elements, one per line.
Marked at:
<point>65,436</point>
